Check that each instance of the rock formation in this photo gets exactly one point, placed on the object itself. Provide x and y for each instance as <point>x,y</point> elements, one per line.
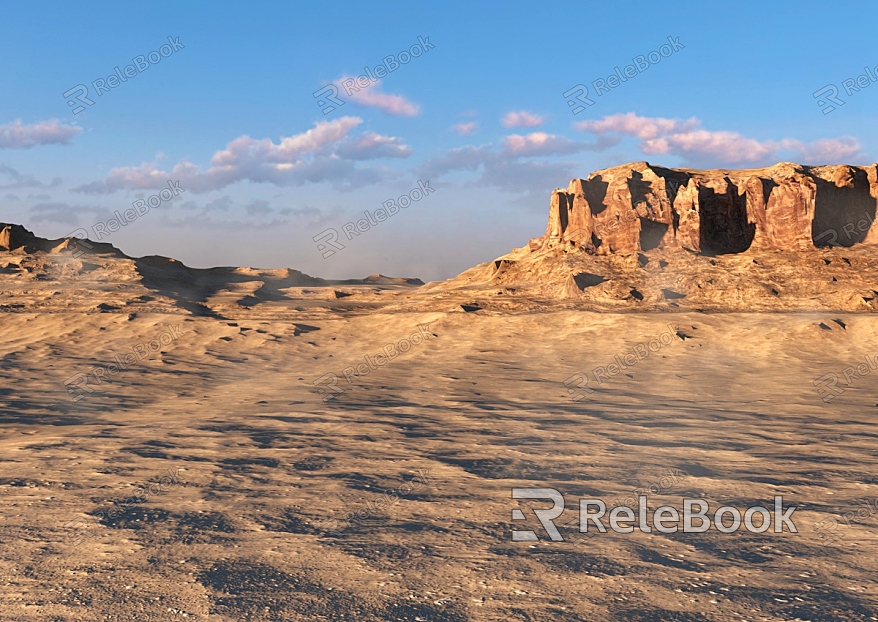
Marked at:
<point>13,237</point>
<point>639,237</point>
<point>17,238</point>
<point>639,207</point>
<point>74,273</point>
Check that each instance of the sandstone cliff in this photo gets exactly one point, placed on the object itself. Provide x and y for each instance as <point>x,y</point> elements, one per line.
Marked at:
<point>640,207</point>
<point>13,237</point>
<point>639,237</point>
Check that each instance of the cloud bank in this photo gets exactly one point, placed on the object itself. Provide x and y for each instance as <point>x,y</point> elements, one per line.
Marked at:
<point>327,153</point>
<point>700,147</point>
<point>16,135</point>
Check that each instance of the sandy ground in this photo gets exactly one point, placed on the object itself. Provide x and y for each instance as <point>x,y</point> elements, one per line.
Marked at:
<point>427,449</point>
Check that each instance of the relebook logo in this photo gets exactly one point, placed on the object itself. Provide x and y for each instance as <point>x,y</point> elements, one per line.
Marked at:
<point>327,240</point>
<point>328,97</point>
<point>828,95</point>
<point>327,385</point>
<point>577,96</point>
<point>78,384</point>
<point>665,519</point>
<point>78,95</point>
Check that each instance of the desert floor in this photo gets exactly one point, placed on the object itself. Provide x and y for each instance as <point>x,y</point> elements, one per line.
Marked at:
<point>255,526</point>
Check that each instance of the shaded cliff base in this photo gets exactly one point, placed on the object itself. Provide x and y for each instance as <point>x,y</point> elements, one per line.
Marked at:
<point>822,279</point>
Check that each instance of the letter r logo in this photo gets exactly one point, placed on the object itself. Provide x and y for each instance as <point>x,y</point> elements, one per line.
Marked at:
<point>79,530</point>
<point>579,381</point>
<point>575,99</point>
<point>829,232</point>
<point>327,385</point>
<point>832,97</point>
<point>79,94</point>
<point>575,236</point>
<point>545,516</point>
<point>331,100</point>
<point>831,383</point>
<point>327,241</point>
<point>79,389</point>
<point>80,243</point>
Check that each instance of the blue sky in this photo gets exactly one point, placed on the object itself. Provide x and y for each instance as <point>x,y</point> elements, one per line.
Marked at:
<point>481,115</point>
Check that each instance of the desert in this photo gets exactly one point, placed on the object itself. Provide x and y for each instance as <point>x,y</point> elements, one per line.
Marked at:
<point>438,312</point>
<point>253,444</point>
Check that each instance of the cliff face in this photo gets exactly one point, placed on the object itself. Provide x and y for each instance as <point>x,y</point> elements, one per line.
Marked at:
<point>13,237</point>
<point>17,238</point>
<point>639,237</point>
<point>639,207</point>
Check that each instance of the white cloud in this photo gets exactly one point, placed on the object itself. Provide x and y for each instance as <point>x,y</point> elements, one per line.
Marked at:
<point>224,213</point>
<point>465,129</point>
<point>59,212</point>
<point>328,153</point>
<point>372,97</point>
<point>522,119</point>
<point>16,135</point>
<point>701,147</point>
<point>19,180</point>
<point>540,143</point>
<point>825,151</point>
<point>512,166</point>
<point>66,213</point>
<point>371,146</point>
<point>629,123</point>
<point>258,207</point>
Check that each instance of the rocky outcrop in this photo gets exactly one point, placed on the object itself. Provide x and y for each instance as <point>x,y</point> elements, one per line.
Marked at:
<point>639,237</point>
<point>13,237</point>
<point>74,273</point>
<point>639,207</point>
<point>17,238</point>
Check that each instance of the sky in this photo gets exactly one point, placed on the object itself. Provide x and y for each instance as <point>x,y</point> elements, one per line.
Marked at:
<point>443,153</point>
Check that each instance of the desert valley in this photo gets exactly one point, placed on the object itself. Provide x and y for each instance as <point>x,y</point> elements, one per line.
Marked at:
<point>260,444</point>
